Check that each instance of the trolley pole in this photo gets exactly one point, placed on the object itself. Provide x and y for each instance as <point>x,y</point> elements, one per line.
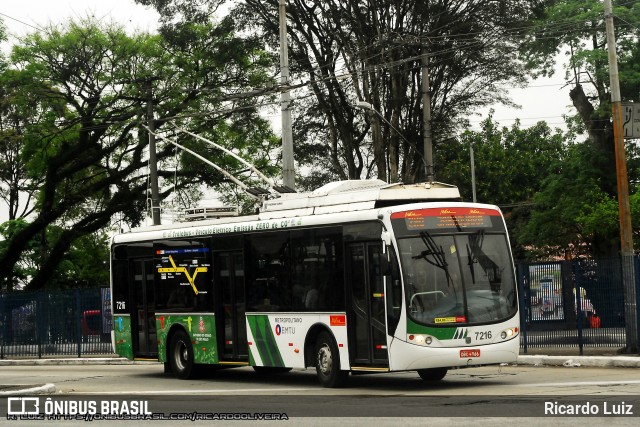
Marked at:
<point>626,235</point>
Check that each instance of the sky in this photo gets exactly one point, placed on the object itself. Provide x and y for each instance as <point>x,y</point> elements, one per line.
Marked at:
<point>25,16</point>
<point>543,99</point>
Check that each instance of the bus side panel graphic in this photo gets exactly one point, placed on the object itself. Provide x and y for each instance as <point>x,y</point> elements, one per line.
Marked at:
<point>279,339</point>
<point>264,342</point>
<point>201,329</point>
<point>122,335</point>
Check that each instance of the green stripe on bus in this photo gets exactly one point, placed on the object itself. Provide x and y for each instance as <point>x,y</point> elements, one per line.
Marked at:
<point>441,333</point>
<point>265,341</point>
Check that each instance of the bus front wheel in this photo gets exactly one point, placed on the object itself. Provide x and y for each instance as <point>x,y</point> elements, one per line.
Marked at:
<point>181,355</point>
<point>327,362</point>
<point>433,374</point>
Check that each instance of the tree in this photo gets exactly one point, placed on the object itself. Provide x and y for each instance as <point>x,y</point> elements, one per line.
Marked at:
<point>511,165</point>
<point>346,51</point>
<point>576,27</point>
<point>13,179</point>
<point>88,144</point>
<point>17,187</point>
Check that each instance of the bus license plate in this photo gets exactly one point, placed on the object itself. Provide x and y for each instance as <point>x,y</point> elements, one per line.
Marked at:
<point>464,354</point>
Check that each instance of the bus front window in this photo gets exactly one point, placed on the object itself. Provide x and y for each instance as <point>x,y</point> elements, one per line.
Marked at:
<point>458,278</point>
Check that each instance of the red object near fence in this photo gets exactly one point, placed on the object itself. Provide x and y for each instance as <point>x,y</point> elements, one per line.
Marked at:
<point>594,321</point>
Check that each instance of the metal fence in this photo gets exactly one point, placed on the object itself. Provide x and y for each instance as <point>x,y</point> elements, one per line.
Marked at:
<point>564,304</point>
<point>71,322</point>
<point>573,304</point>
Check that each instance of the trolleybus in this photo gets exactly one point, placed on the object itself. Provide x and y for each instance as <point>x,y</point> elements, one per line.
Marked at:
<point>357,276</point>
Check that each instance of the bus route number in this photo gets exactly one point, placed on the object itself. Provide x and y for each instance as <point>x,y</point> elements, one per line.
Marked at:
<point>120,305</point>
<point>483,335</point>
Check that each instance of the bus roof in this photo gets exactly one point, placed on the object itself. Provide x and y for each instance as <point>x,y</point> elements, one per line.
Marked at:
<point>333,198</point>
<point>349,195</point>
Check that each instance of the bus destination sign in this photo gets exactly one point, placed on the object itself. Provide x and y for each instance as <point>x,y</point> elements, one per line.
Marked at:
<point>446,218</point>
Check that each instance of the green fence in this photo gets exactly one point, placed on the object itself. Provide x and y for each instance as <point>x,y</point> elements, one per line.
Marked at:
<point>563,304</point>
<point>579,304</point>
<point>55,323</point>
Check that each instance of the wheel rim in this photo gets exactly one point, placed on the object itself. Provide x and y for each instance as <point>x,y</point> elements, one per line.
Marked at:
<point>181,355</point>
<point>325,361</point>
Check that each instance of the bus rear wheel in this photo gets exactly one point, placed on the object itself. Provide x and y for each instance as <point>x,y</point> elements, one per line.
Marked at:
<point>327,362</point>
<point>181,356</point>
<point>433,374</point>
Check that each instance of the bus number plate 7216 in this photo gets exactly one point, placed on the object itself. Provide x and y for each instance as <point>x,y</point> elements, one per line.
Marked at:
<point>464,354</point>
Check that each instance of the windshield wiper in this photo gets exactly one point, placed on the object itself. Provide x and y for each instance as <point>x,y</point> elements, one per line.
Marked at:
<point>433,250</point>
<point>433,254</point>
<point>472,260</point>
<point>474,247</point>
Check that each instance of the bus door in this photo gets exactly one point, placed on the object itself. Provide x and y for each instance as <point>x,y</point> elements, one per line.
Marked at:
<point>230,305</point>
<point>143,320</point>
<point>367,329</point>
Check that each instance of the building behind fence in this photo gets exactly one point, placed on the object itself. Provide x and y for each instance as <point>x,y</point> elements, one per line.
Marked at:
<point>51,323</point>
<point>574,305</point>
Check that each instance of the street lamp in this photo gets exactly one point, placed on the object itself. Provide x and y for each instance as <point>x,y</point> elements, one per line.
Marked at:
<point>367,106</point>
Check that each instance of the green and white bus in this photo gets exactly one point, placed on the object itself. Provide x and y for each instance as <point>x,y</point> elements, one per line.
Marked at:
<point>357,276</point>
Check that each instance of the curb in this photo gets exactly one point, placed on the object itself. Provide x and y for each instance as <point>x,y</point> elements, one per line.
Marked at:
<point>578,361</point>
<point>537,360</point>
<point>30,391</point>
<point>75,361</point>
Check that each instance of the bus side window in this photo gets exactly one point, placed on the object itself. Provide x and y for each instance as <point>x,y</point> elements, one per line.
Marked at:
<point>270,289</point>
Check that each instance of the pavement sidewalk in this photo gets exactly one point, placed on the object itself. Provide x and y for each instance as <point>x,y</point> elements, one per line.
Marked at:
<point>570,361</point>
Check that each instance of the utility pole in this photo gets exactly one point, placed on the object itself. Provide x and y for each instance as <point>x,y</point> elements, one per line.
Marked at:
<point>626,235</point>
<point>288,169</point>
<point>426,115</point>
<point>473,172</point>
<point>153,165</point>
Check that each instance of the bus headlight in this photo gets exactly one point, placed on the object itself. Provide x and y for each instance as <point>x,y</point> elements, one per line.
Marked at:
<point>509,333</point>
<point>420,339</point>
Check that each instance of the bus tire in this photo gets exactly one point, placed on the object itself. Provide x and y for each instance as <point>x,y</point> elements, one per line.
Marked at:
<point>433,374</point>
<point>327,362</point>
<point>181,356</point>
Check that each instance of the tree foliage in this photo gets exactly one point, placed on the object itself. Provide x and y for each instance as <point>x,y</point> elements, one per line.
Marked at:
<point>348,51</point>
<point>87,144</point>
<point>511,165</point>
<point>576,207</point>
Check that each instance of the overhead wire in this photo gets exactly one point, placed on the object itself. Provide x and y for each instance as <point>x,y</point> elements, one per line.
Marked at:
<point>340,73</point>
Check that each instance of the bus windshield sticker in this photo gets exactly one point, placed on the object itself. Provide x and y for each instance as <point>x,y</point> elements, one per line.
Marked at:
<point>457,319</point>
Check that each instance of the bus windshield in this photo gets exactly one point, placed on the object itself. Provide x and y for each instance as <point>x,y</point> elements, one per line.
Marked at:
<point>458,275</point>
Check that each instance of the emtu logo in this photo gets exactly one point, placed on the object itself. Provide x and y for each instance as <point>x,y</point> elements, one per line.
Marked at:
<point>278,329</point>
<point>23,405</point>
